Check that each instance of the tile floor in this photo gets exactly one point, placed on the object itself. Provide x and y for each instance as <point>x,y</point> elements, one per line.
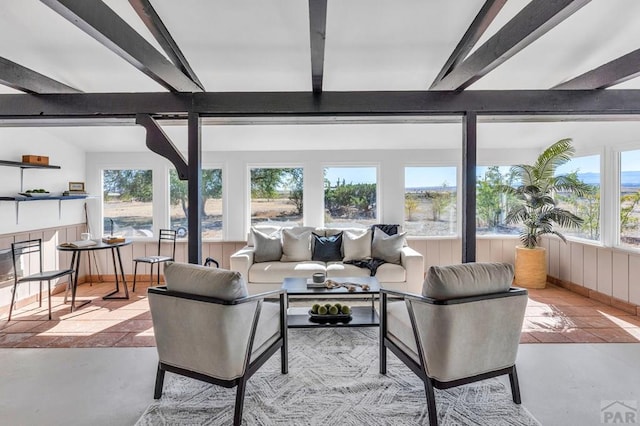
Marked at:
<point>554,315</point>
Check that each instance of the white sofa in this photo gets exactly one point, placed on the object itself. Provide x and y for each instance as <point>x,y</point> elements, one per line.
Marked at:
<point>406,276</point>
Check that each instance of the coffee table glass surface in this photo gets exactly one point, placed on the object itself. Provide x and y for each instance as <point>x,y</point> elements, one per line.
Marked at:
<point>361,316</point>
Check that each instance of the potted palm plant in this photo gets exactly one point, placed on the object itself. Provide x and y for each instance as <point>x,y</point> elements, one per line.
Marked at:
<point>537,210</point>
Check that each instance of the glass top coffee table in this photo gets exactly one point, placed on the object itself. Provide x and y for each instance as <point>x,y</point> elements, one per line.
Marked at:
<point>361,316</point>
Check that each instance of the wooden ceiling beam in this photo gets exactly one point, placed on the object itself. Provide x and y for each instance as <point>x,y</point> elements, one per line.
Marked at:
<point>100,22</point>
<point>480,23</point>
<point>154,23</point>
<point>615,72</point>
<point>317,34</point>
<point>26,80</point>
<point>328,104</point>
<point>535,20</point>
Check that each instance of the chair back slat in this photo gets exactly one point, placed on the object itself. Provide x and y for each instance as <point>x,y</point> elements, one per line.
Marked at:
<point>167,236</point>
<point>27,247</point>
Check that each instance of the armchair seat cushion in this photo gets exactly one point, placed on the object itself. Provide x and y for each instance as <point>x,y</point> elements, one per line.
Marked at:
<point>467,279</point>
<point>273,272</point>
<point>211,282</point>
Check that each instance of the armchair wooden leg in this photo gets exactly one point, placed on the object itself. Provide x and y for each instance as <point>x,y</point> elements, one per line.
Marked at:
<point>515,386</point>
<point>157,393</point>
<point>237,415</point>
<point>431,403</point>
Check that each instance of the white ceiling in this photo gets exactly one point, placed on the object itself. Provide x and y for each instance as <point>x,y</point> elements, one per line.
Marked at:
<point>263,45</point>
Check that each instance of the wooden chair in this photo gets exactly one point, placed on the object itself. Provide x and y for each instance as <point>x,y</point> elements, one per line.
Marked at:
<point>167,236</point>
<point>33,247</point>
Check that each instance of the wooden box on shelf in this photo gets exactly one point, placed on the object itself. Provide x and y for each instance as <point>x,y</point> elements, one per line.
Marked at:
<point>36,159</point>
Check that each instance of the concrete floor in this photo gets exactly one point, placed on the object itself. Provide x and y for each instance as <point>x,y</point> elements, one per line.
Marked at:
<point>562,384</point>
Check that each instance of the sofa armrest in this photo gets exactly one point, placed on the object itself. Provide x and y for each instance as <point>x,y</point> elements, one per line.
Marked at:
<point>413,263</point>
<point>242,260</point>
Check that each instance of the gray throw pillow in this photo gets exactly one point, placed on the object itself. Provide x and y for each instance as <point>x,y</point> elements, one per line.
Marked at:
<point>467,279</point>
<point>211,282</point>
<point>387,247</point>
<point>296,246</point>
<point>267,248</point>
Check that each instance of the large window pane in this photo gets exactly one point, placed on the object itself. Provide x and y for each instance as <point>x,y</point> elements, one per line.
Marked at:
<point>492,204</point>
<point>587,170</point>
<point>276,196</point>
<point>211,203</point>
<point>128,203</point>
<point>350,196</point>
<point>630,198</point>
<point>430,201</point>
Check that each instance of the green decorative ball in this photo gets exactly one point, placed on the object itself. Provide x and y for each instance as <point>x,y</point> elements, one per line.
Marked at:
<point>322,310</point>
<point>334,310</point>
<point>314,308</point>
<point>339,306</point>
<point>346,310</point>
<point>327,305</point>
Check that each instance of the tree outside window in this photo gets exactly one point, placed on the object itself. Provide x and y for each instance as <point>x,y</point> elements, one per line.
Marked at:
<point>492,205</point>
<point>211,203</point>
<point>586,170</point>
<point>276,196</point>
<point>430,201</point>
<point>630,198</point>
<point>350,196</point>
<point>127,202</point>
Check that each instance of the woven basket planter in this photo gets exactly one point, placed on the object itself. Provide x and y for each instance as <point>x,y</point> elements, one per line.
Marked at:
<point>531,267</point>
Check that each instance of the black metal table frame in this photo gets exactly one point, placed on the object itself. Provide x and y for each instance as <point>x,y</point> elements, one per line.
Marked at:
<point>357,311</point>
<point>75,265</point>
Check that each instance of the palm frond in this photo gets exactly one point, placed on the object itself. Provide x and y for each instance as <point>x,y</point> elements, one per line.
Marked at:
<point>553,157</point>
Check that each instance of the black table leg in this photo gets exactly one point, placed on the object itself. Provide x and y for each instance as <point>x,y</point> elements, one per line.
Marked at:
<point>115,252</point>
<point>75,258</point>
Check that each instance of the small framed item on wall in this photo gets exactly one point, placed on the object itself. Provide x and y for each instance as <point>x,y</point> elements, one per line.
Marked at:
<point>76,187</point>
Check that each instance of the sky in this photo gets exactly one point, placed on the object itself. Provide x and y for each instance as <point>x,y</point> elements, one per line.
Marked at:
<point>630,161</point>
<point>351,174</point>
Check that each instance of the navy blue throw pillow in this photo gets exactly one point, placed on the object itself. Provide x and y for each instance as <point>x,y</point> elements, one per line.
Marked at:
<point>327,249</point>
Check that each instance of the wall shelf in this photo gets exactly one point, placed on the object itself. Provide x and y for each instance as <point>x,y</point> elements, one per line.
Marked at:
<point>59,198</point>
<point>26,165</point>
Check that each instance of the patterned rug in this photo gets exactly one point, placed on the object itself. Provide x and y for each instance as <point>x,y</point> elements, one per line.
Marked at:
<point>333,380</point>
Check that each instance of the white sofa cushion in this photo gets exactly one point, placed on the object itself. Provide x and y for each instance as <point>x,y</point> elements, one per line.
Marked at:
<point>342,270</point>
<point>467,279</point>
<point>356,245</point>
<point>275,272</point>
<point>391,273</point>
<point>265,229</point>
<point>204,281</point>
<point>296,246</point>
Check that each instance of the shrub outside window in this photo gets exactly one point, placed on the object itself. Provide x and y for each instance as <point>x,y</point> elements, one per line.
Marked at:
<point>430,201</point>
<point>630,198</point>
<point>127,203</point>
<point>587,170</point>
<point>276,196</point>
<point>211,204</point>
<point>350,196</point>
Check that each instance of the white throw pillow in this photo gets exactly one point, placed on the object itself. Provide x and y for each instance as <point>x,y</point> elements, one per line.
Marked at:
<point>387,247</point>
<point>356,245</point>
<point>296,246</point>
<point>267,247</point>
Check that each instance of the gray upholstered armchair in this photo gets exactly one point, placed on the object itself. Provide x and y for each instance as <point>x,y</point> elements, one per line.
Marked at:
<point>465,327</point>
<point>208,329</point>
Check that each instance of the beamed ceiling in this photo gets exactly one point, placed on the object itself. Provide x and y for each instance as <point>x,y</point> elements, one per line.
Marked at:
<point>255,59</point>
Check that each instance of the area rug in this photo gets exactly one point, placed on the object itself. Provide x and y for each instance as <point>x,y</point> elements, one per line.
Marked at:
<point>333,379</point>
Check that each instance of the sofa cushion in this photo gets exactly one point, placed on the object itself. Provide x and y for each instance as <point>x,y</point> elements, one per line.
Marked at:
<point>204,281</point>
<point>275,272</point>
<point>387,247</point>
<point>391,273</point>
<point>268,247</point>
<point>342,270</point>
<point>327,249</point>
<point>356,245</point>
<point>296,245</point>
<point>467,279</point>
